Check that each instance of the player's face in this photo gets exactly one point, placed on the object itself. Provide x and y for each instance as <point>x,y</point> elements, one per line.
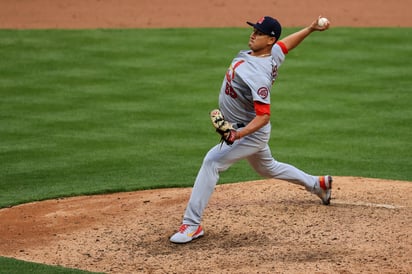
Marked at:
<point>259,41</point>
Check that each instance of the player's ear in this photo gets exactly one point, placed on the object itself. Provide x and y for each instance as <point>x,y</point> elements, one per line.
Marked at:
<point>272,40</point>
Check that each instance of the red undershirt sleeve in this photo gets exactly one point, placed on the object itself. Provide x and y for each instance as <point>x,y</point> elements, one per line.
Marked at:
<point>261,108</point>
<point>283,47</point>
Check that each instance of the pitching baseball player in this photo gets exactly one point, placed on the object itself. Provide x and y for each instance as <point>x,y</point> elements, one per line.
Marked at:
<point>242,120</point>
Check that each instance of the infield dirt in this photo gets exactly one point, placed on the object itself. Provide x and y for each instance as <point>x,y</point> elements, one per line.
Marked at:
<point>266,226</point>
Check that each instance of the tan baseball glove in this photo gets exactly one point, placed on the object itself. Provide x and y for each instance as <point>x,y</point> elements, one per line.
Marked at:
<point>223,127</point>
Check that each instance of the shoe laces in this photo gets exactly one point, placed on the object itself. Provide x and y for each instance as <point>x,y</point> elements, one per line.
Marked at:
<point>183,228</point>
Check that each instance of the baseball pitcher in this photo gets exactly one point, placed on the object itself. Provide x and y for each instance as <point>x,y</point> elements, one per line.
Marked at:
<point>243,122</point>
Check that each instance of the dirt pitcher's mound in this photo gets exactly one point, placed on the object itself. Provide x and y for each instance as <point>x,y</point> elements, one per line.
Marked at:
<point>264,226</point>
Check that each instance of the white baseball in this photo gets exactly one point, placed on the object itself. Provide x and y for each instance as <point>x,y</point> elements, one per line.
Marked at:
<point>322,21</point>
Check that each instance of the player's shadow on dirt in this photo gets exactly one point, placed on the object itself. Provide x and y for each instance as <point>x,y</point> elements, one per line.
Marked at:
<point>222,242</point>
<point>213,241</point>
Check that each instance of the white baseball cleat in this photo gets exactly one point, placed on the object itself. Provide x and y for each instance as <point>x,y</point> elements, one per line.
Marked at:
<point>324,189</point>
<point>187,233</point>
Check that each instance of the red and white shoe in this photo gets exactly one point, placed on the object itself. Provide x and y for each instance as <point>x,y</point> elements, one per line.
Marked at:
<point>187,233</point>
<point>324,191</point>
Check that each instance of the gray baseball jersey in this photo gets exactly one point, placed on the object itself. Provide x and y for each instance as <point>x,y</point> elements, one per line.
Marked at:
<point>249,79</point>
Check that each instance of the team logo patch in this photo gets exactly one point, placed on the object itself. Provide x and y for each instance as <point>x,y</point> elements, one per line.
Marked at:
<point>263,92</point>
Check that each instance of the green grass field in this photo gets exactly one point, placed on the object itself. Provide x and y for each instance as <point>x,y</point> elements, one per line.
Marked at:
<point>13,266</point>
<point>98,111</point>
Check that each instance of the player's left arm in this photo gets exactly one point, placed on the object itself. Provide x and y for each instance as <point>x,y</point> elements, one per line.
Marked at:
<point>293,40</point>
<point>262,118</point>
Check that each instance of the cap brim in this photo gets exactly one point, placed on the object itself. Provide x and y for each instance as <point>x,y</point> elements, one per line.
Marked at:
<point>256,26</point>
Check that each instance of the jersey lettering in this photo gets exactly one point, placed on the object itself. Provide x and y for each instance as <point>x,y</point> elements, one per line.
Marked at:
<point>230,75</point>
<point>274,73</point>
<point>229,90</point>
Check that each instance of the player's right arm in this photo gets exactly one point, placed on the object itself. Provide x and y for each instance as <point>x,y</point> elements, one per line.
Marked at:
<point>293,40</point>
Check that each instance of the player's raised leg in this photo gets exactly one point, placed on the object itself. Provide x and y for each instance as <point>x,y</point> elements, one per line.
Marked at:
<point>264,164</point>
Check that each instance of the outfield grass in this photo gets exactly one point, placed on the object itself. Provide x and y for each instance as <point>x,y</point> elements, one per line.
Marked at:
<point>95,111</point>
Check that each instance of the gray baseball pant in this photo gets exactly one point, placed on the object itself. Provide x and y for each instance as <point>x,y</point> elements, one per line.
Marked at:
<point>220,158</point>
